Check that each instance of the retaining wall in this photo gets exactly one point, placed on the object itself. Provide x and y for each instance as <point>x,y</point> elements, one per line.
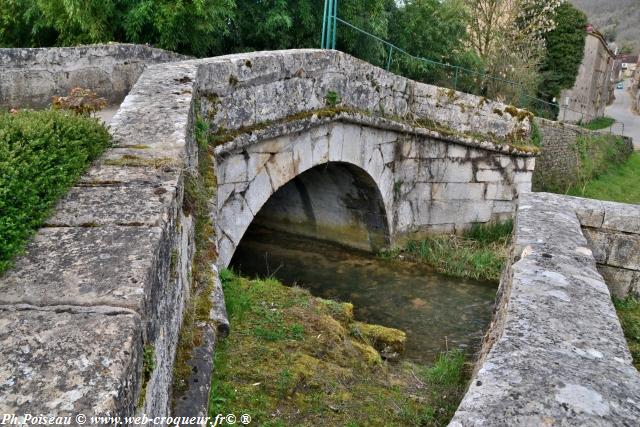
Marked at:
<point>31,77</point>
<point>559,163</point>
<point>555,353</point>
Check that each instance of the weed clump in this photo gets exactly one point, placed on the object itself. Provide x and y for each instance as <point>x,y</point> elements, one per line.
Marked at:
<point>479,253</point>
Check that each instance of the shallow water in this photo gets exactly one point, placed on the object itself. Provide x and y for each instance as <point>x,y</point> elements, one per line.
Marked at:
<point>437,312</point>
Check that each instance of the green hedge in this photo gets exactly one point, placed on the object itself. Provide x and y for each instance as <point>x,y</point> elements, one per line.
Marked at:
<point>42,153</point>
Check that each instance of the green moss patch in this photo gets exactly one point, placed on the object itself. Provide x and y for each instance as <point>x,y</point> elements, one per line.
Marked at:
<point>200,188</point>
<point>42,154</point>
<point>292,359</point>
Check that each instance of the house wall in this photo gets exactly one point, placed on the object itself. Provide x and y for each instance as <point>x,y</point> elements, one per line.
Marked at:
<point>590,94</point>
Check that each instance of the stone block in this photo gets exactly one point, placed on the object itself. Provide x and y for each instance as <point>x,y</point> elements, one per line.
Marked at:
<point>599,242</point>
<point>128,205</point>
<point>621,217</point>
<point>69,360</point>
<point>499,191</point>
<point>458,191</point>
<point>448,171</point>
<point>489,175</point>
<point>258,192</point>
<point>112,266</point>
<point>618,280</point>
<point>280,168</point>
<point>625,251</point>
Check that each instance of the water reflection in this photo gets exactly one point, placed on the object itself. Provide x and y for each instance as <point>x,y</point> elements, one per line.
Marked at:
<point>436,312</point>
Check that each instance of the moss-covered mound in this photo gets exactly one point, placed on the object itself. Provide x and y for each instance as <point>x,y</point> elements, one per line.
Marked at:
<point>296,360</point>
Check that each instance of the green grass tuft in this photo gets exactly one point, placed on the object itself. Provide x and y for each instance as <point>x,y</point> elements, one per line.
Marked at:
<point>292,360</point>
<point>620,184</point>
<point>599,123</point>
<point>478,254</point>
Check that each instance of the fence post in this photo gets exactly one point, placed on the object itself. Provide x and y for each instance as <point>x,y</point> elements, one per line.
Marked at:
<point>389,59</point>
<point>335,24</point>
<point>455,81</point>
<point>327,42</point>
<point>324,24</point>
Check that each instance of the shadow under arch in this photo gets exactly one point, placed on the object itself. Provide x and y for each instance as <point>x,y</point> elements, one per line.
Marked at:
<point>335,201</point>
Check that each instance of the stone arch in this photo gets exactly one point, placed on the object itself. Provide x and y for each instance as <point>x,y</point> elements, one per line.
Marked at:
<point>249,177</point>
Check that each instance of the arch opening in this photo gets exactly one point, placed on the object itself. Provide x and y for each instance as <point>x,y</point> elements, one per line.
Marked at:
<point>336,202</point>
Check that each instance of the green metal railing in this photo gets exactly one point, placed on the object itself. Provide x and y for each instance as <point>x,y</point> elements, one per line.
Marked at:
<point>455,73</point>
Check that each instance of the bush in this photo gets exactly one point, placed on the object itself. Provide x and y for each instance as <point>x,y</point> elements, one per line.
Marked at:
<point>42,153</point>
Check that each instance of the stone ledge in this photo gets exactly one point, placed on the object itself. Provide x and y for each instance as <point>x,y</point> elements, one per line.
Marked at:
<point>555,354</point>
<point>65,361</point>
<point>286,127</point>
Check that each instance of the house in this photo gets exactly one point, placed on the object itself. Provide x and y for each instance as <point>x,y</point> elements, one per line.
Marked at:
<point>594,84</point>
<point>628,63</point>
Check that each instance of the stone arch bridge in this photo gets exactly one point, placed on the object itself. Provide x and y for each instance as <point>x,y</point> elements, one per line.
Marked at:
<point>314,141</point>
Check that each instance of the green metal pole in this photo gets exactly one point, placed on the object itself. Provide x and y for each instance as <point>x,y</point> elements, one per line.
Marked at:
<point>335,24</point>
<point>324,24</point>
<point>327,43</point>
<point>389,59</point>
<point>455,82</point>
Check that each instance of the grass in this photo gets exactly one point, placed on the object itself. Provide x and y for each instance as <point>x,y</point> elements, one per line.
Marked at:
<point>620,184</point>
<point>480,253</point>
<point>599,123</point>
<point>291,360</point>
<point>629,313</point>
<point>42,154</point>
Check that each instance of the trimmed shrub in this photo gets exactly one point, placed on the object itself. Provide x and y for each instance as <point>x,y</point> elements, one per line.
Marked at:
<point>42,153</point>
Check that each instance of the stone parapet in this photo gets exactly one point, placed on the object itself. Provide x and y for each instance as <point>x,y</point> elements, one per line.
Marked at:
<point>555,353</point>
<point>30,77</point>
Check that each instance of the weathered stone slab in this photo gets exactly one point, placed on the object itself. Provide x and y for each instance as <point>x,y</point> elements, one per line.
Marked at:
<point>111,266</point>
<point>128,205</point>
<point>69,361</point>
<point>625,251</point>
<point>622,217</point>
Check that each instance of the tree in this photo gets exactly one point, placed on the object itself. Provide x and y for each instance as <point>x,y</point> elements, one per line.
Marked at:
<point>509,37</point>
<point>565,51</point>
<point>435,30</point>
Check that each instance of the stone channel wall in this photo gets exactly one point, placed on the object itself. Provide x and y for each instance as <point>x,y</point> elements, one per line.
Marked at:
<point>555,353</point>
<point>559,163</point>
<point>99,296</point>
<point>31,77</point>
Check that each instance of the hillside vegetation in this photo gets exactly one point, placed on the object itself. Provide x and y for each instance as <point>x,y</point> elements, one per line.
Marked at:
<point>615,16</point>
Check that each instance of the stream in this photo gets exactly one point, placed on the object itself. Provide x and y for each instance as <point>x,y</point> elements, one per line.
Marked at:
<point>436,312</point>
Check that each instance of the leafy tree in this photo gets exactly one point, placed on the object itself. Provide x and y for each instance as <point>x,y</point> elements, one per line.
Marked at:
<point>435,30</point>
<point>565,50</point>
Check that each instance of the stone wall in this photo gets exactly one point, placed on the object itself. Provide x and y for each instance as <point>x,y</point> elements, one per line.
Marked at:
<point>104,284</point>
<point>589,96</point>
<point>555,353</point>
<point>31,77</point>
<point>613,232</point>
<point>559,162</point>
